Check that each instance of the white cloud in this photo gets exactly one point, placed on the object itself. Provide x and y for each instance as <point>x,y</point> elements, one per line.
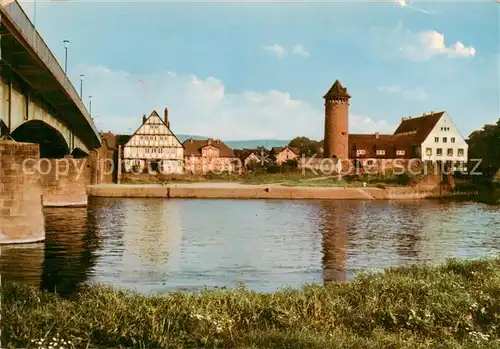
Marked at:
<point>277,49</point>
<point>300,50</point>
<point>421,46</point>
<point>204,107</point>
<point>406,4</point>
<point>416,94</point>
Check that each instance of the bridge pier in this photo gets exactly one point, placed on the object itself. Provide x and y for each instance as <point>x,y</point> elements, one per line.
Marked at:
<point>64,182</point>
<point>21,217</point>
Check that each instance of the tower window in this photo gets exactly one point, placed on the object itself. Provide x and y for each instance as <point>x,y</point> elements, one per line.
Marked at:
<point>344,133</point>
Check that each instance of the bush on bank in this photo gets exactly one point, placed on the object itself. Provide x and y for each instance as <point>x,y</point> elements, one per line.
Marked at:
<point>456,305</point>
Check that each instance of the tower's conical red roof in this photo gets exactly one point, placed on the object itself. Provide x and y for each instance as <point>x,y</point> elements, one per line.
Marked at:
<point>337,91</point>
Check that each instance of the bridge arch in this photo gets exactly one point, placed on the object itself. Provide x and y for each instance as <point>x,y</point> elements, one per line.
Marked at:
<point>52,143</point>
<point>3,128</point>
<point>78,153</point>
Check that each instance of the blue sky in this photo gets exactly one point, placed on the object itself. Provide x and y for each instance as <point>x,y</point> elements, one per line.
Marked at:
<point>239,70</point>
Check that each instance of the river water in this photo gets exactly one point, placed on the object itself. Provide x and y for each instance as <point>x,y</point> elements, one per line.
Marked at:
<point>158,245</point>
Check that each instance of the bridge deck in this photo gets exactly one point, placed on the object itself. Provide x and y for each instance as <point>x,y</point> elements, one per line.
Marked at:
<point>24,52</point>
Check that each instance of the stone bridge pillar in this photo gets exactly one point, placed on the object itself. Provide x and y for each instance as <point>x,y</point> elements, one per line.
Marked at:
<point>64,182</point>
<point>21,217</point>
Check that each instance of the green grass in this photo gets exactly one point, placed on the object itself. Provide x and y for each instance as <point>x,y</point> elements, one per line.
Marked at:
<point>455,305</point>
<point>277,178</point>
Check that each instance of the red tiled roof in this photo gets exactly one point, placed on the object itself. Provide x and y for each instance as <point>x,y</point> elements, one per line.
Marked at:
<point>421,127</point>
<point>276,150</point>
<point>192,147</point>
<point>389,143</point>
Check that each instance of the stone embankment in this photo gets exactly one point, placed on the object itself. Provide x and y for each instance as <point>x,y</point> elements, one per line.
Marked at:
<point>242,191</point>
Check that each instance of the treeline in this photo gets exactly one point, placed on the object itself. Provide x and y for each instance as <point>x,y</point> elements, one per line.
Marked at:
<point>484,145</point>
<point>308,147</point>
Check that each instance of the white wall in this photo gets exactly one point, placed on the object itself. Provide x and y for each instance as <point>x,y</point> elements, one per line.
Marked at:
<point>445,128</point>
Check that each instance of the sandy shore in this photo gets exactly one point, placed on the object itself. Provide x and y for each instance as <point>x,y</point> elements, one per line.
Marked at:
<point>230,190</point>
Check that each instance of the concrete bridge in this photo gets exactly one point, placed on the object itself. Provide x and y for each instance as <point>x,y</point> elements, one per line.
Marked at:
<point>49,145</point>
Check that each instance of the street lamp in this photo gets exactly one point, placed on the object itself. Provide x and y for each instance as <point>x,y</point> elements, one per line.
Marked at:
<point>90,105</point>
<point>66,43</point>
<point>81,86</point>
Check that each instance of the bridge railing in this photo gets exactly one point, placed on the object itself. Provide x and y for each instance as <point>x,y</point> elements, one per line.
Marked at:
<point>18,18</point>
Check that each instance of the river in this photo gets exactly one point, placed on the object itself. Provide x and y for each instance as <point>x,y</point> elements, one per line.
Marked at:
<point>158,245</point>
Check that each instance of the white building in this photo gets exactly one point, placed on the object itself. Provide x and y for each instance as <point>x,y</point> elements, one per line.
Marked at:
<point>155,146</point>
<point>438,137</point>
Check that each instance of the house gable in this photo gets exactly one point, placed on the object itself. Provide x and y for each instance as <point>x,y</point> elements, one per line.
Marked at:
<point>445,127</point>
<point>209,149</point>
<point>154,129</point>
<point>445,142</point>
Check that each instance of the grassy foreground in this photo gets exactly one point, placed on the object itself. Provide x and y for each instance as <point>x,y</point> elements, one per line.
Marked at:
<point>456,305</point>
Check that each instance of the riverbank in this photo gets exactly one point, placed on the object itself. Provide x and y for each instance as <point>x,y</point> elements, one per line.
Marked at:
<point>230,190</point>
<point>455,305</point>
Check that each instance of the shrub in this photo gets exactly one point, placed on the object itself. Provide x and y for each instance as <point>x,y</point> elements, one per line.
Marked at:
<point>403,179</point>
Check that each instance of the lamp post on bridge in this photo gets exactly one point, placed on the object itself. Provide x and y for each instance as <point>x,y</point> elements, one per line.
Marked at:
<point>81,86</point>
<point>66,44</point>
<point>90,105</point>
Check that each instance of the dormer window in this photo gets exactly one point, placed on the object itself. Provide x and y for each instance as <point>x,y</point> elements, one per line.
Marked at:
<point>400,152</point>
<point>360,152</point>
<point>380,152</point>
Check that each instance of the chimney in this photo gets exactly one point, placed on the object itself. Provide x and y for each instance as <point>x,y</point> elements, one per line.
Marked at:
<point>143,118</point>
<point>209,141</point>
<point>404,119</point>
<point>165,115</point>
<point>376,135</point>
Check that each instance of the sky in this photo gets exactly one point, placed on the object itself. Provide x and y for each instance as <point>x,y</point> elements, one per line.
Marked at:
<point>240,70</point>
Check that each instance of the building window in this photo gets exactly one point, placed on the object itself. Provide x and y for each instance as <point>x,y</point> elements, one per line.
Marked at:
<point>439,151</point>
<point>436,139</point>
<point>428,151</point>
<point>445,140</point>
<point>400,152</point>
<point>460,152</point>
<point>360,152</point>
<point>450,152</point>
<point>380,152</point>
<point>452,140</point>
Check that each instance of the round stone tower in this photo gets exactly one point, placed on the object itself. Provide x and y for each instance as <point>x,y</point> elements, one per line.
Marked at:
<point>336,143</point>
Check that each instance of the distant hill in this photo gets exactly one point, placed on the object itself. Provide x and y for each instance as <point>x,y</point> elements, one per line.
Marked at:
<point>249,144</point>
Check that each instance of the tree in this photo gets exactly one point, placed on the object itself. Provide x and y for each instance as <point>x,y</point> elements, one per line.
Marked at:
<point>307,147</point>
<point>485,145</point>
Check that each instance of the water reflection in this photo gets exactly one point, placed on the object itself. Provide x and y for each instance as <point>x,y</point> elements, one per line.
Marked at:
<point>70,253</point>
<point>141,241</point>
<point>157,245</point>
<point>335,240</point>
<point>22,263</point>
